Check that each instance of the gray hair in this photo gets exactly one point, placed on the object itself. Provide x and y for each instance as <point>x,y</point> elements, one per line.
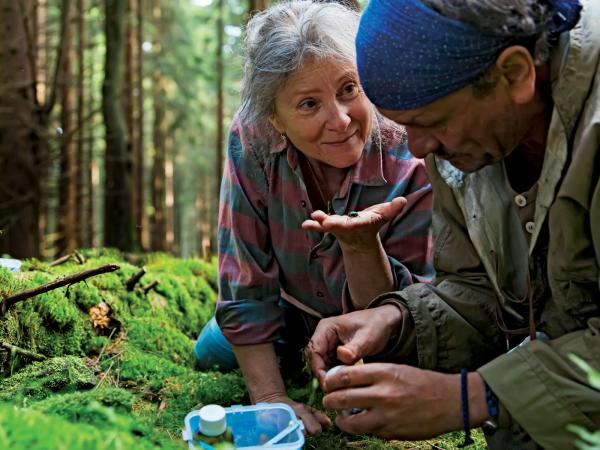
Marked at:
<point>282,38</point>
<point>527,20</point>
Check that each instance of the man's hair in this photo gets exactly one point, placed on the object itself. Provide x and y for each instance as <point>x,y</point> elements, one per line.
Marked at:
<point>282,38</point>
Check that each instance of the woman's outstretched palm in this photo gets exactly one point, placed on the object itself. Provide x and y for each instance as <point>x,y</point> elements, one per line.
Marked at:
<point>358,232</point>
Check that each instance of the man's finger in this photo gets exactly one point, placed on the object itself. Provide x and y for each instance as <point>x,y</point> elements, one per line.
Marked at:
<point>364,422</point>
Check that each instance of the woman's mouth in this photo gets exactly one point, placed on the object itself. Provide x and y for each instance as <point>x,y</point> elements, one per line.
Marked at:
<point>341,141</point>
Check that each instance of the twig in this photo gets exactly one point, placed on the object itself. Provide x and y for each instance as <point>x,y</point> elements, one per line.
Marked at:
<point>14,349</point>
<point>130,284</point>
<point>79,257</point>
<point>106,345</point>
<point>60,282</point>
<point>433,446</point>
<point>104,375</point>
<point>61,260</point>
<point>150,286</point>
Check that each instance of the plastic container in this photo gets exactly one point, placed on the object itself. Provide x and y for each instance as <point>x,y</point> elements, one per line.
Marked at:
<point>255,427</point>
<point>14,265</point>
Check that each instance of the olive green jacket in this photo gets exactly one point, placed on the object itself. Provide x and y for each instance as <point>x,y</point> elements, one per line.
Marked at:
<point>487,260</point>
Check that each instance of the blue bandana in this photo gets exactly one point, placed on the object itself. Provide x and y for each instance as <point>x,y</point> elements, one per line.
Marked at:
<point>409,55</point>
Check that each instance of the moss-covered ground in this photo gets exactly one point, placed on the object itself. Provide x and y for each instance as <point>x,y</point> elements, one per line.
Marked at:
<point>119,369</point>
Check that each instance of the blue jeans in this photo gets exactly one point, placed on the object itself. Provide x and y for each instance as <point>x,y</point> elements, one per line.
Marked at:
<point>213,349</point>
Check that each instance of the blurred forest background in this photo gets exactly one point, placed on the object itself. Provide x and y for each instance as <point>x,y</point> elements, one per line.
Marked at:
<point>113,115</point>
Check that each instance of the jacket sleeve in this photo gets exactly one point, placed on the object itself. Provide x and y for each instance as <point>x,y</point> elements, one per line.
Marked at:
<point>546,391</point>
<point>454,318</point>
<point>247,310</point>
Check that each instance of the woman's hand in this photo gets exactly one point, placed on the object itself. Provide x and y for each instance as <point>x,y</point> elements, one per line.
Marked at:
<point>314,420</point>
<point>357,233</point>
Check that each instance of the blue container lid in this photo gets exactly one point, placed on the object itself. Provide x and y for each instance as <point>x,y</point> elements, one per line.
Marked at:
<point>256,427</point>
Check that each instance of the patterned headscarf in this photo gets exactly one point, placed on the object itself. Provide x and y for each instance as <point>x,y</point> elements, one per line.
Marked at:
<point>409,55</point>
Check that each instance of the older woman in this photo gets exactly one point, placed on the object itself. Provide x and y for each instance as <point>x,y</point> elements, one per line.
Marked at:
<point>322,206</point>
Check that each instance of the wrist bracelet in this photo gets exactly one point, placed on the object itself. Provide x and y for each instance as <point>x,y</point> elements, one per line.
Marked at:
<point>464,396</point>
<point>490,426</point>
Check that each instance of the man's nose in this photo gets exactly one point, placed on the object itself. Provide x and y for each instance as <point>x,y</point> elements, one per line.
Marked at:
<point>421,143</point>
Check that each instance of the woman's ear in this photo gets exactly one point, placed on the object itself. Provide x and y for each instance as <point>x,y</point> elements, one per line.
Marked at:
<point>516,66</point>
<point>275,122</point>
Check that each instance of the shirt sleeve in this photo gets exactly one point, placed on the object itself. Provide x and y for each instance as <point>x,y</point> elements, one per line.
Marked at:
<point>247,310</point>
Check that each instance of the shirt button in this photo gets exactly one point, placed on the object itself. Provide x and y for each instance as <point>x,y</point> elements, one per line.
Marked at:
<point>520,200</point>
<point>529,227</point>
<point>320,294</point>
<point>303,204</point>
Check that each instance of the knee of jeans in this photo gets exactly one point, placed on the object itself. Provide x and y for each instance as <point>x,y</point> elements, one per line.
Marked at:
<point>213,350</point>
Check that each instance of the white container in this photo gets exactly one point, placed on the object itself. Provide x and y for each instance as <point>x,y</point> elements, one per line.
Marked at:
<point>14,265</point>
<point>255,427</point>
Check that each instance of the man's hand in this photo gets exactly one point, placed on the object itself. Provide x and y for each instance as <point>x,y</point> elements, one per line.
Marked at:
<point>314,420</point>
<point>402,402</point>
<point>351,336</point>
<point>357,233</point>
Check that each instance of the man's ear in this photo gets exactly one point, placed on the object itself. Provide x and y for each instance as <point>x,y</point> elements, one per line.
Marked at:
<point>516,66</point>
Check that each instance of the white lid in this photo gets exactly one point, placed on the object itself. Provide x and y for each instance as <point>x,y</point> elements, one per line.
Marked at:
<point>334,370</point>
<point>212,420</point>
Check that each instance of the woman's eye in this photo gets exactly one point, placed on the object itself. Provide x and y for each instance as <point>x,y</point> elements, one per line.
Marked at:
<point>350,89</point>
<point>307,104</point>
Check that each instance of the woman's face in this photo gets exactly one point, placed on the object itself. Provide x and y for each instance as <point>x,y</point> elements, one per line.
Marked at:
<point>323,111</point>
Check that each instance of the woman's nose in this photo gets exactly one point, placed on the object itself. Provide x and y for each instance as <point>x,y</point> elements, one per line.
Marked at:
<point>339,118</point>
<point>421,143</point>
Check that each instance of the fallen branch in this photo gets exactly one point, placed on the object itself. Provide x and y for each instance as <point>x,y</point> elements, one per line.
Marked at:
<point>61,260</point>
<point>79,257</point>
<point>60,282</point>
<point>151,286</point>
<point>14,349</point>
<point>130,284</point>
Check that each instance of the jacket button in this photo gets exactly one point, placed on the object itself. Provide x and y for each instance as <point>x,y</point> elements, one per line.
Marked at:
<point>529,226</point>
<point>520,200</point>
<point>303,204</point>
<point>314,255</point>
<point>320,294</point>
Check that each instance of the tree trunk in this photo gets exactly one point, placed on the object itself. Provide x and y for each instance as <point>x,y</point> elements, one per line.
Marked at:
<point>138,161</point>
<point>117,206</point>
<point>159,184</point>
<point>67,225</point>
<point>83,179</point>
<point>219,116</point>
<point>19,159</point>
<point>129,105</point>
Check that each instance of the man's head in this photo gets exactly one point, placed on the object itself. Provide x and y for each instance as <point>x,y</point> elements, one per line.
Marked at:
<point>462,76</point>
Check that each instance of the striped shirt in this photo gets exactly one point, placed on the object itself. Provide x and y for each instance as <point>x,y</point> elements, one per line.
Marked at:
<point>265,254</point>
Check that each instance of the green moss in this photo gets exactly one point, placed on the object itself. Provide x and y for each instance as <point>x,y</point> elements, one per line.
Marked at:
<point>157,335</point>
<point>24,429</point>
<point>69,405</point>
<point>144,370</point>
<point>40,379</point>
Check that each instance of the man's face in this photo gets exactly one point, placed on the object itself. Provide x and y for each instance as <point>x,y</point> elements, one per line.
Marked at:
<point>468,130</point>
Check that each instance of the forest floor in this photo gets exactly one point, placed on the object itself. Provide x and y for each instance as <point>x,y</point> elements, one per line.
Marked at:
<point>95,366</point>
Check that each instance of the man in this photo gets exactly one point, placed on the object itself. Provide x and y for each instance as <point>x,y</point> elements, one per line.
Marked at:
<point>502,98</point>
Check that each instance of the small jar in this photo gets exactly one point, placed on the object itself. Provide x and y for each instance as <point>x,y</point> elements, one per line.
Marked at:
<point>213,427</point>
